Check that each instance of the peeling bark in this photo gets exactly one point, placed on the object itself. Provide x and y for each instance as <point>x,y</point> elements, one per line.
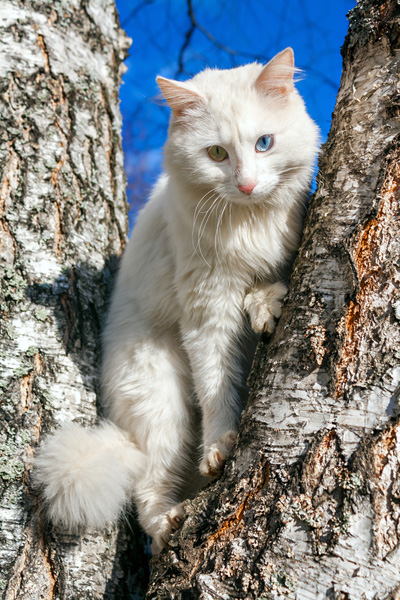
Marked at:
<point>308,505</point>
<point>63,224</point>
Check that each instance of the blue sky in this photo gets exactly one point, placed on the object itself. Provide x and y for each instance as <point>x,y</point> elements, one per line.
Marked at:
<point>227,33</point>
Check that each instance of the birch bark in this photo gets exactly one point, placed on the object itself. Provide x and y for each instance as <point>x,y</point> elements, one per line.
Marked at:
<point>63,223</point>
<point>309,504</point>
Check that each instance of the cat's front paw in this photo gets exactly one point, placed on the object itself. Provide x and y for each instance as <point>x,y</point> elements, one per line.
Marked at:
<point>264,304</point>
<point>170,523</point>
<point>216,455</point>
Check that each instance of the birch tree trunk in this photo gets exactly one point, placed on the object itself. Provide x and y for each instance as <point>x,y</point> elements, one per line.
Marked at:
<point>309,505</point>
<point>63,223</point>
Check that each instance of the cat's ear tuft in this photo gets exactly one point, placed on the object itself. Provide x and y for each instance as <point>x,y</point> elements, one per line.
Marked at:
<point>277,75</point>
<point>178,95</point>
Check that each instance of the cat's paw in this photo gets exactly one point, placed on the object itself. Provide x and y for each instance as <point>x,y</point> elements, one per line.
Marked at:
<point>215,457</point>
<point>170,523</point>
<point>175,517</point>
<point>264,304</point>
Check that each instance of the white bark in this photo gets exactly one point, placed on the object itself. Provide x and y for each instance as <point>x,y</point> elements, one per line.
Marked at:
<point>63,223</point>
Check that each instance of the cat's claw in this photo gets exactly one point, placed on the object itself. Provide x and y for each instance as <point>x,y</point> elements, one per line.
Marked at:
<point>263,305</point>
<point>176,516</point>
<point>170,523</point>
<point>215,458</point>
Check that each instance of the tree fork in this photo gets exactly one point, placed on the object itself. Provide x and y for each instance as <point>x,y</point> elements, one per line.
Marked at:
<point>308,505</point>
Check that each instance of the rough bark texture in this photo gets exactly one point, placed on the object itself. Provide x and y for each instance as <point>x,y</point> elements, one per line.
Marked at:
<point>63,223</point>
<point>309,505</point>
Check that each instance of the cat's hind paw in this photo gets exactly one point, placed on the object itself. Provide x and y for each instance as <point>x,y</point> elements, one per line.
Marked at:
<point>175,517</point>
<point>171,522</point>
<point>215,457</point>
<point>264,304</point>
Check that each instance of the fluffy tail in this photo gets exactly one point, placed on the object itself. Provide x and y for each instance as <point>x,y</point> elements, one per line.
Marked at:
<point>86,476</point>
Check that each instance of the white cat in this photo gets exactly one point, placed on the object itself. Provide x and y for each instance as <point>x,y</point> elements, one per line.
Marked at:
<point>210,246</point>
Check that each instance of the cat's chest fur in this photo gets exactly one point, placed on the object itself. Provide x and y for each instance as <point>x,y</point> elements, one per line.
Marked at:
<point>219,256</point>
<point>231,243</point>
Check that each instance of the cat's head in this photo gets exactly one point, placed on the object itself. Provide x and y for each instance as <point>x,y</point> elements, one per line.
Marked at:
<point>243,132</point>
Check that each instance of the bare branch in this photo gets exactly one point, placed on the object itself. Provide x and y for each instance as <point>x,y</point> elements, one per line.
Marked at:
<point>135,11</point>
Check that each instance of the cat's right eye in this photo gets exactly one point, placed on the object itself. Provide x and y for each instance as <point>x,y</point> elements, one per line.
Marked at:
<point>217,153</point>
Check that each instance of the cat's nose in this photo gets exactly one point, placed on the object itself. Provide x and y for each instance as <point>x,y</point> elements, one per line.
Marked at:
<point>247,188</point>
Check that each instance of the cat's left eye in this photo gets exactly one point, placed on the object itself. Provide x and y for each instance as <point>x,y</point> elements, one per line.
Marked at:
<point>217,153</point>
<point>264,143</point>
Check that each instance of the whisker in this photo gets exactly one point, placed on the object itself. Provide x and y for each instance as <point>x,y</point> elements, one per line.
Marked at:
<point>230,218</point>
<point>218,229</point>
<point>206,217</point>
<point>288,169</point>
<point>204,197</point>
<point>203,226</point>
<point>199,208</point>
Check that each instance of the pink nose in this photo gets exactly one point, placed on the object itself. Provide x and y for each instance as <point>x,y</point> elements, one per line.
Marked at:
<point>247,188</point>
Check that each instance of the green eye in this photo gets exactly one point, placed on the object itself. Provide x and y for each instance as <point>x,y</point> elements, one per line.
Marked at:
<point>217,153</point>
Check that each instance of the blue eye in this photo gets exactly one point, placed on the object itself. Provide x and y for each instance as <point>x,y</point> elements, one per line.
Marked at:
<point>264,143</point>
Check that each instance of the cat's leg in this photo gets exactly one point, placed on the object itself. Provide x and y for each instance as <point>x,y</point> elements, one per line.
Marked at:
<point>212,348</point>
<point>211,340</point>
<point>157,502</point>
<point>263,304</point>
<point>147,391</point>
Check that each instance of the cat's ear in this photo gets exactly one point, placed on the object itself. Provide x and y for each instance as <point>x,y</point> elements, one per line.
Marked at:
<point>178,95</point>
<point>277,75</point>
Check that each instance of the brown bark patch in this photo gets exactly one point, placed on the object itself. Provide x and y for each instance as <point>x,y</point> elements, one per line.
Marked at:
<point>385,487</point>
<point>317,337</point>
<point>323,461</point>
<point>374,275</point>
<point>393,594</point>
<point>45,53</point>
<point>228,529</point>
<point>26,385</point>
<point>32,571</point>
<point>8,185</point>
<point>318,502</point>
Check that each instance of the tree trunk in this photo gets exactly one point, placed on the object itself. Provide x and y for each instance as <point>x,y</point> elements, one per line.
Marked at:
<point>309,505</point>
<point>63,223</point>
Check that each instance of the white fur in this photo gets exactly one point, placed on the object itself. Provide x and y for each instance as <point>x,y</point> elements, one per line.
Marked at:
<point>77,467</point>
<point>202,252</point>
